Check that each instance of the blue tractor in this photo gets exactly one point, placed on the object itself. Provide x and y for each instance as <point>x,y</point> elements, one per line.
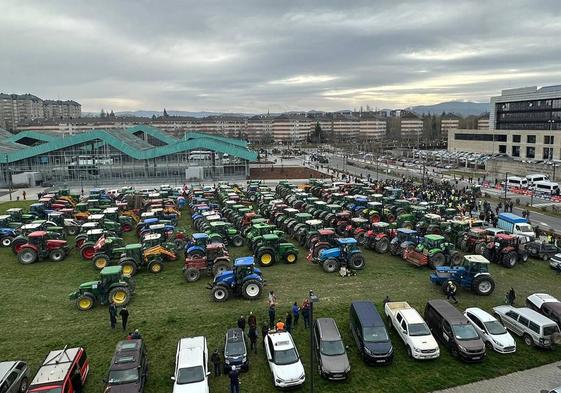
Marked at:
<point>196,246</point>
<point>244,280</point>
<point>472,274</point>
<point>7,235</point>
<point>346,254</point>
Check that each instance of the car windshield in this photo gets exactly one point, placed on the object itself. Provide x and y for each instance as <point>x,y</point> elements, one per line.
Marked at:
<point>288,356</point>
<point>549,330</point>
<point>419,329</point>
<point>525,228</point>
<point>332,348</point>
<point>52,390</point>
<point>234,349</point>
<point>375,334</point>
<point>495,328</point>
<point>123,376</point>
<point>464,332</point>
<point>190,375</point>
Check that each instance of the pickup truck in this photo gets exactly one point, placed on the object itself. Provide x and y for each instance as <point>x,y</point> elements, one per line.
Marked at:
<point>545,304</point>
<point>516,225</point>
<point>413,330</point>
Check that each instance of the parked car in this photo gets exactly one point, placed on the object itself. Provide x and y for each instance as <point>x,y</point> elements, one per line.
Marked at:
<point>555,262</point>
<point>453,329</point>
<point>370,334</point>
<point>545,304</point>
<point>235,350</point>
<point>491,331</point>
<point>128,369</point>
<point>63,370</point>
<point>284,360</point>
<point>14,377</point>
<point>410,326</point>
<point>542,250</point>
<point>331,353</point>
<point>533,327</point>
<point>191,366</point>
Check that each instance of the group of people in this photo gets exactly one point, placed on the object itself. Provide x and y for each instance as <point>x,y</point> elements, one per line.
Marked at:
<point>291,317</point>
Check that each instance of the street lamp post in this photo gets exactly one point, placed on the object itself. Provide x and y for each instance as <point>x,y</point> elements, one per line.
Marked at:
<point>8,178</point>
<point>313,299</point>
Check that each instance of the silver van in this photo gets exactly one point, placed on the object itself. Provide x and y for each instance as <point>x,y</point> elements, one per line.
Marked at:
<point>534,328</point>
<point>14,377</point>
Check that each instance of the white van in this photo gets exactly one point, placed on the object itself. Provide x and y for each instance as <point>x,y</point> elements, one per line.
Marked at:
<point>516,182</point>
<point>191,366</point>
<point>532,179</point>
<point>545,186</point>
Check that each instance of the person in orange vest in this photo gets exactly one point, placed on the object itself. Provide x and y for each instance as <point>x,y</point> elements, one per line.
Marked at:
<point>280,325</point>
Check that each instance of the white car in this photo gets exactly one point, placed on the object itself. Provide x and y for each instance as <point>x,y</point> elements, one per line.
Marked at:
<point>284,360</point>
<point>191,366</point>
<point>491,331</point>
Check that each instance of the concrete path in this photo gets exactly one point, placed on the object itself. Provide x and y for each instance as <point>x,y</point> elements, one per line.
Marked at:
<point>536,380</point>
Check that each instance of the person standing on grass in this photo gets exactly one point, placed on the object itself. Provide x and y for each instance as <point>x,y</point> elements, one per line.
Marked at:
<point>113,315</point>
<point>253,337</point>
<point>288,322</point>
<point>272,314</point>
<point>264,332</point>
<point>295,313</point>
<point>306,313</point>
<point>124,313</point>
<point>241,323</point>
<point>216,362</point>
<point>451,292</point>
<point>24,195</point>
<point>511,296</point>
<point>251,320</point>
<point>234,380</point>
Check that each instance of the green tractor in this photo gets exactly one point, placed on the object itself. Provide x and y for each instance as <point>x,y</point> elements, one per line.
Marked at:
<point>112,214</point>
<point>405,220</point>
<point>224,232</point>
<point>89,243</point>
<point>308,233</point>
<point>133,257</point>
<point>301,219</point>
<point>432,251</point>
<point>254,237</point>
<point>273,250</point>
<point>430,224</point>
<point>112,286</point>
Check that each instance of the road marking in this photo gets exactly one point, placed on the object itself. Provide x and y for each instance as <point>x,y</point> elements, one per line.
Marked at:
<point>544,224</point>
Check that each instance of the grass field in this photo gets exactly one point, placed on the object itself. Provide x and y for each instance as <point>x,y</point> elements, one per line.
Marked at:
<point>37,316</point>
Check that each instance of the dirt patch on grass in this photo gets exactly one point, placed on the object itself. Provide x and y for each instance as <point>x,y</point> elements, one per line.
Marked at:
<point>291,172</point>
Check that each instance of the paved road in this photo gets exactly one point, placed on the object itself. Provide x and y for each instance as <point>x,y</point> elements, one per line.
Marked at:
<point>536,380</point>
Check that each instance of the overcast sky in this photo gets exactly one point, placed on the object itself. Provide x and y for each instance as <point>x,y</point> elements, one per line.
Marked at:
<point>252,56</point>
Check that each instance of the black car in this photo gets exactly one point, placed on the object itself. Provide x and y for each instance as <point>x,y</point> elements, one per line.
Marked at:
<point>370,334</point>
<point>128,369</point>
<point>542,250</point>
<point>235,350</point>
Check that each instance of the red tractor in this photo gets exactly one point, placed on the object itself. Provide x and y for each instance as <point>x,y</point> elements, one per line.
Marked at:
<point>326,239</point>
<point>474,240</point>
<point>38,247</point>
<point>506,250</point>
<point>379,237</point>
<point>358,228</point>
<point>343,221</point>
<point>216,260</point>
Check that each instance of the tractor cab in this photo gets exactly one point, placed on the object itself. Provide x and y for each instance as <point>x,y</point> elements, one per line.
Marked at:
<point>96,218</point>
<point>88,226</point>
<point>216,250</point>
<point>6,222</point>
<point>16,213</point>
<point>344,215</point>
<point>223,228</point>
<point>94,234</point>
<point>326,235</point>
<point>418,211</point>
<point>152,239</point>
<point>303,217</point>
<point>431,242</point>
<point>347,244</point>
<point>56,217</point>
<point>28,228</point>
<point>333,208</point>
<point>270,240</point>
<point>244,267</point>
<point>314,225</point>
<point>359,223</point>
<point>81,207</point>
<point>381,228</point>
<point>406,235</point>
<point>471,274</point>
<point>432,218</point>
<point>449,212</point>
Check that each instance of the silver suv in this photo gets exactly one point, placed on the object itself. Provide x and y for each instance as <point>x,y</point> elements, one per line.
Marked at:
<point>14,377</point>
<point>330,350</point>
<point>533,327</point>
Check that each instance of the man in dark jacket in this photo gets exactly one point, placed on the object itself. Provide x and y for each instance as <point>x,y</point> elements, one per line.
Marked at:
<point>113,315</point>
<point>451,291</point>
<point>234,380</point>
<point>241,323</point>
<point>253,338</point>
<point>216,362</point>
<point>124,313</point>
<point>251,320</point>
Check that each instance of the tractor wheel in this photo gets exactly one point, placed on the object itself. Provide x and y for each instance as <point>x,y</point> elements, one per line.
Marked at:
<point>27,256</point>
<point>382,245</point>
<point>266,257</point>
<point>85,302</point>
<point>237,241</point>
<point>463,245</point>
<point>220,266</point>
<point>483,285</point>
<point>57,255</point>
<point>545,257</point>
<point>510,259</point>
<point>437,259</point>
<point>523,256</point>
<point>220,293</point>
<point>330,265</point>
<point>455,258</point>
<point>7,241</point>
<point>156,266</point>
<point>311,241</point>
<point>191,274</point>
<point>361,239</point>
<point>129,266</point>
<point>23,385</point>
<point>87,251</point>
<point>100,261</point>
<point>480,248</point>
<point>72,230</point>
<point>80,242</point>
<point>120,295</point>
<point>252,289</point>
<point>394,249</point>
<point>290,257</point>
<point>375,218</point>
<point>356,262</point>
<point>179,244</point>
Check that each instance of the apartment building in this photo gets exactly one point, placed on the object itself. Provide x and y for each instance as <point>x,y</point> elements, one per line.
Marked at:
<point>483,123</point>
<point>411,126</point>
<point>291,128</point>
<point>448,122</point>
<point>57,109</point>
<point>371,128</point>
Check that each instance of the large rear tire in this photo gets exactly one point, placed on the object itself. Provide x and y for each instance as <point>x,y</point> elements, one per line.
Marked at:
<point>191,274</point>
<point>237,241</point>
<point>27,256</point>
<point>120,295</point>
<point>382,245</point>
<point>480,248</point>
<point>129,266</point>
<point>100,261</point>
<point>483,285</point>
<point>330,265</point>
<point>510,259</point>
<point>455,258</point>
<point>220,266</point>
<point>252,289</point>
<point>87,251</point>
<point>356,261</point>
<point>437,259</point>
<point>266,257</point>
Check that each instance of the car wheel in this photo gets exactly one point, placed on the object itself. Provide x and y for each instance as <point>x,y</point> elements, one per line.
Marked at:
<point>528,340</point>
<point>23,385</point>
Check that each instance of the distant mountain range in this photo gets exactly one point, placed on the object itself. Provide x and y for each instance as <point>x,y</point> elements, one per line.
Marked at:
<point>458,107</point>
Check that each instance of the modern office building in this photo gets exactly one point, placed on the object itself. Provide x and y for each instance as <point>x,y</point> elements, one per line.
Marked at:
<point>527,108</point>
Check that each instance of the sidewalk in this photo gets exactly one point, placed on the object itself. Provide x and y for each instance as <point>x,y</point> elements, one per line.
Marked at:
<point>535,380</point>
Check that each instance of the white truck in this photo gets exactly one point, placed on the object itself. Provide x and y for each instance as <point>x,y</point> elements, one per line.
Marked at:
<point>413,330</point>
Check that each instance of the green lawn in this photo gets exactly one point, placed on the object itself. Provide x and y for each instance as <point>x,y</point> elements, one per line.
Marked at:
<point>37,317</point>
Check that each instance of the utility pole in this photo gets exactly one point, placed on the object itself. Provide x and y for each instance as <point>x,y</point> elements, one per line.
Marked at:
<point>313,299</point>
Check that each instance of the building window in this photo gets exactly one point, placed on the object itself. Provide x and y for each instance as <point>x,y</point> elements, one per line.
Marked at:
<point>516,151</point>
<point>530,152</point>
<point>548,140</point>
<point>502,148</point>
<point>547,153</point>
<point>531,139</point>
<point>516,138</point>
